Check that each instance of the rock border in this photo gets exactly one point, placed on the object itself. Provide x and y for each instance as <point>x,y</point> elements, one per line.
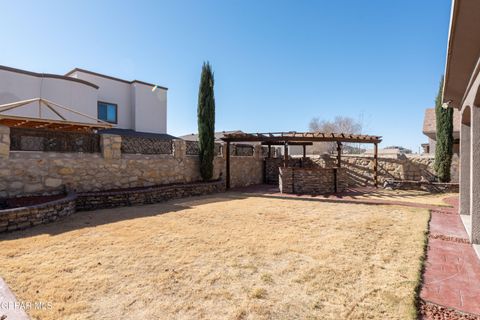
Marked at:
<point>24,217</point>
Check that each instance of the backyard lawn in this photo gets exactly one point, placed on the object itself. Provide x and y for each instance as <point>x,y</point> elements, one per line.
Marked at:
<point>226,256</point>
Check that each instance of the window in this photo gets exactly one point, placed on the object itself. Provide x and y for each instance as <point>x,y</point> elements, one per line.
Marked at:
<point>107,112</point>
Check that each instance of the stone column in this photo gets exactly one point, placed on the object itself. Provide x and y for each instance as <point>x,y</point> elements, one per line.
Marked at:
<point>111,145</point>
<point>465,168</point>
<point>257,152</point>
<point>475,174</point>
<point>4,142</point>
<point>179,149</point>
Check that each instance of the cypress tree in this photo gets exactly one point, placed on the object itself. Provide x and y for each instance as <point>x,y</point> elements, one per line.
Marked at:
<point>206,122</point>
<point>444,145</point>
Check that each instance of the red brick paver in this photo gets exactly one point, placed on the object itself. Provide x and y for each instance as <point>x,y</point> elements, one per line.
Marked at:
<point>452,276</point>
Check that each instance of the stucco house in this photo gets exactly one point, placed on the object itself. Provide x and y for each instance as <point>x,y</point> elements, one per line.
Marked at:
<point>430,130</point>
<point>130,105</point>
<point>461,91</point>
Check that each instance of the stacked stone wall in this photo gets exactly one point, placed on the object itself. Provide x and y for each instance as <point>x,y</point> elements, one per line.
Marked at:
<point>25,217</point>
<point>311,180</point>
<point>24,173</point>
<point>359,168</point>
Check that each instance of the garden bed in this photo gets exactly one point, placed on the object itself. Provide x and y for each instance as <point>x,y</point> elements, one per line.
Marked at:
<point>35,211</point>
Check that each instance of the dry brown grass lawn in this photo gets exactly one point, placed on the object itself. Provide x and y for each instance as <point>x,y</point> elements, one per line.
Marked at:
<point>222,257</point>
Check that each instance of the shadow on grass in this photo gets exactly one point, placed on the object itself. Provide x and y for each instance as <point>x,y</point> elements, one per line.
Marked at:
<point>90,219</point>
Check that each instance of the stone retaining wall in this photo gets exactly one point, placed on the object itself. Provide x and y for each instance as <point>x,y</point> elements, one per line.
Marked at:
<point>403,167</point>
<point>124,198</point>
<point>25,217</point>
<point>359,168</point>
<point>311,180</point>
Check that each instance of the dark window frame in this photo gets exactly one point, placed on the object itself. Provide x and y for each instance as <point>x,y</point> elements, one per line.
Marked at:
<point>108,103</point>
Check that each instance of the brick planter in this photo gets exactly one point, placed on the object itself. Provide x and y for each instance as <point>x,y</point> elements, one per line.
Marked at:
<point>25,217</point>
<point>148,195</point>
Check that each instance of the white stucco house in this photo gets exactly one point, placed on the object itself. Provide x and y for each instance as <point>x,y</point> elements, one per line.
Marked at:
<point>132,105</point>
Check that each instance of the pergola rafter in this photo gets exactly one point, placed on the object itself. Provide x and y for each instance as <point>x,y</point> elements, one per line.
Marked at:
<point>46,123</point>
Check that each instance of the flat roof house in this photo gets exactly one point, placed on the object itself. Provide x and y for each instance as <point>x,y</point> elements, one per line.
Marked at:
<point>132,105</point>
<point>430,130</point>
<point>461,91</point>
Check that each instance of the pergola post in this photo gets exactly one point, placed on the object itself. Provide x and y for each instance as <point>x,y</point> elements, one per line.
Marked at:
<point>285,154</point>
<point>339,154</point>
<point>269,151</point>
<point>375,164</point>
<point>227,163</point>
<point>304,151</point>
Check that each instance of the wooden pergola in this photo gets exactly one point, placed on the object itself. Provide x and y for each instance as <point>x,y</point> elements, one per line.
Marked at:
<point>41,122</point>
<point>301,138</point>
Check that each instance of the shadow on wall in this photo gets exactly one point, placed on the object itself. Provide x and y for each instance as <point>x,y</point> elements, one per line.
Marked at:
<point>360,168</point>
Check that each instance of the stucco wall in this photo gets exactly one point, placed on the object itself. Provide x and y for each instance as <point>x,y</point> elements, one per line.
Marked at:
<point>150,108</point>
<point>16,86</point>
<point>113,92</point>
<point>138,107</point>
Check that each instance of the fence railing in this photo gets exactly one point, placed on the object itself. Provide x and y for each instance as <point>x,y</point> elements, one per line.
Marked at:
<point>22,139</point>
<point>142,145</point>
<point>192,148</point>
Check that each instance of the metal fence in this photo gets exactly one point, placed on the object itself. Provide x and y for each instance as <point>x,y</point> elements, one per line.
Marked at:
<point>22,139</point>
<point>192,148</point>
<point>142,145</point>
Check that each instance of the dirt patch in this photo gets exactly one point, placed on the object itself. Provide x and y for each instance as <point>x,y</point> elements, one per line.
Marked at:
<point>222,257</point>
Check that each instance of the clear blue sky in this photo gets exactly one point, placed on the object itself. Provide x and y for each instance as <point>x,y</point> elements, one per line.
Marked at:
<point>277,63</point>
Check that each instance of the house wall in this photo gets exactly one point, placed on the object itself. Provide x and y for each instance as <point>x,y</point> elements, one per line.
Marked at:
<point>139,108</point>
<point>149,108</point>
<point>17,86</point>
<point>113,92</point>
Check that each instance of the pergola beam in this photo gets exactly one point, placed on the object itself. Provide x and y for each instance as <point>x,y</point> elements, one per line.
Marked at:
<point>303,139</point>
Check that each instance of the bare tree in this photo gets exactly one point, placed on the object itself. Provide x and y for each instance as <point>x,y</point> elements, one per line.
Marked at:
<point>338,125</point>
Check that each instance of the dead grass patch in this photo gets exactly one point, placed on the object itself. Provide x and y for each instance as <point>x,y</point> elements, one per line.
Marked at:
<point>222,257</point>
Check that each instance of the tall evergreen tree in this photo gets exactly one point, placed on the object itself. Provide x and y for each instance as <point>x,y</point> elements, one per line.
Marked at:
<point>444,145</point>
<point>206,122</point>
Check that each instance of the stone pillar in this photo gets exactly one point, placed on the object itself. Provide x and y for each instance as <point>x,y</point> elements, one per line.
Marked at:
<point>111,145</point>
<point>4,142</point>
<point>475,174</point>
<point>257,152</point>
<point>465,168</point>
<point>179,149</point>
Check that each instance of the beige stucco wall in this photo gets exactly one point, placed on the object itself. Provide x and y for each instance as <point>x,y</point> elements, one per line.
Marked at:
<point>139,108</point>
<point>112,91</point>
<point>149,108</point>
<point>16,86</point>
